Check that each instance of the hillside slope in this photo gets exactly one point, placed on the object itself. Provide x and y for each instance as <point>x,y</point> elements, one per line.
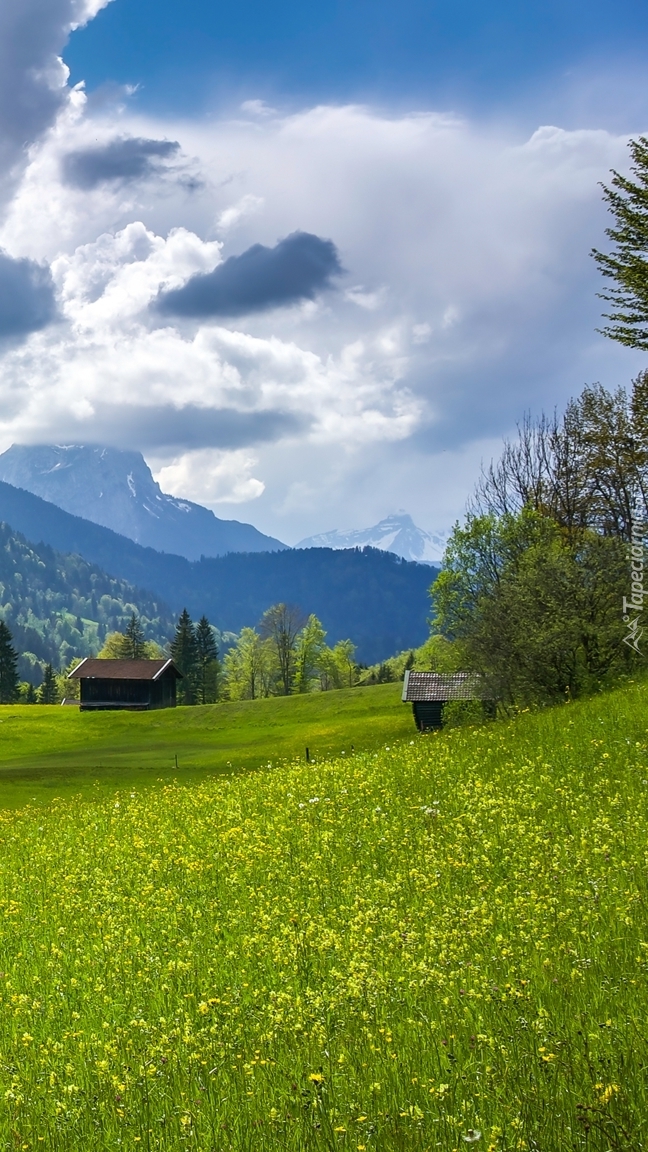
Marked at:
<point>116,489</point>
<point>373,597</point>
<point>60,606</point>
<point>436,944</point>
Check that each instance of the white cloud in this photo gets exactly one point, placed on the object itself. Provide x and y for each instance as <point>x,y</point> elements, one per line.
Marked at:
<point>211,477</point>
<point>469,297</point>
<point>246,206</point>
<point>257,108</point>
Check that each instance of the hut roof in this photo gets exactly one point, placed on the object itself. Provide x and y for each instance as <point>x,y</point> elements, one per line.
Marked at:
<point>426,687</point>
<point>122,669</point>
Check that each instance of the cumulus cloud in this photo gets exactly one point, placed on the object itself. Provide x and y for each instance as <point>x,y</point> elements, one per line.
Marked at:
<point>296,269</point>
<point>122,159</point>
<point>105,373</point>
<point>471,297</point>
<point>213,477</point>
<point>26,296</point>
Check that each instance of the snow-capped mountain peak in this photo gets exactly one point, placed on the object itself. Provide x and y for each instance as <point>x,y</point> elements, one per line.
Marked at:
<point>397,533</point>
<point>116,488</point>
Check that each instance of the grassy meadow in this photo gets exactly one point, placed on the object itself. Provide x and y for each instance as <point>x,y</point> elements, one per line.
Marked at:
<point>434,944</point>
<point>48,751</point>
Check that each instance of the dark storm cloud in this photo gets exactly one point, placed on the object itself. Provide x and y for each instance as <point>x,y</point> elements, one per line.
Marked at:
<point>26,296</point>
<point>127,158</point>
<point>142,427</point>
<point>297,268</point>
<point>33,34</point>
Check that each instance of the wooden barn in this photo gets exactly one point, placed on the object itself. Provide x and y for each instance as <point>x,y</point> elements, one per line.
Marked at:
<point>428,692</point>
<point>135,685</point>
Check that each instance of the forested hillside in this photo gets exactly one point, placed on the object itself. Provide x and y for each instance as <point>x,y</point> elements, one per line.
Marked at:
<point>60,606</point>
<point>373,597</point>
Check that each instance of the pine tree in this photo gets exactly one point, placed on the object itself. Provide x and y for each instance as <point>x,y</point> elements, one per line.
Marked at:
<point>48,692</point>
<point>207,662</point>
<point>8,665</point>
<point>184,652</point>
<point>627,264</point>
<point>134,646</point>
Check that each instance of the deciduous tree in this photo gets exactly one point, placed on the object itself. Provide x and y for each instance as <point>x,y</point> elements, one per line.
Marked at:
<point>281,624</point>
<point>535,611</point>
<point>309,650</point>
<point>248,667</point>
<point>344,658</point>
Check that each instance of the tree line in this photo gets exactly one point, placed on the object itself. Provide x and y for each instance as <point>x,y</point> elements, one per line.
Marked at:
<point>532,587</point>
<point>286,654</point>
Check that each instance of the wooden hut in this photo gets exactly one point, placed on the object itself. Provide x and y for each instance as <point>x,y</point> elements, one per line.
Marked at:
<point>428,692</point>
<point>134,685</point>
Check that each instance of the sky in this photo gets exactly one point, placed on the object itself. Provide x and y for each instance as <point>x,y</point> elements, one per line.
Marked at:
<point>313,261</point>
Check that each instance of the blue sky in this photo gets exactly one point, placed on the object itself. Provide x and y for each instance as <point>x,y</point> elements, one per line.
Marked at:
<point>314,261</point>
<point>470,55</point>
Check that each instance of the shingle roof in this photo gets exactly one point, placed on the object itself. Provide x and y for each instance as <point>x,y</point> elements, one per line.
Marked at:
<point>122,669</point>
<point>442,686</point>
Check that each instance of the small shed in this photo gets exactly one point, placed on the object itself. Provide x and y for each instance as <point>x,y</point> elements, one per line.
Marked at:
<point>428,692</point>
<point>134,685</point>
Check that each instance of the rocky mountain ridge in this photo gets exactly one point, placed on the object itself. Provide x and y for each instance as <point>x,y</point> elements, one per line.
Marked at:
<point>116,489</point>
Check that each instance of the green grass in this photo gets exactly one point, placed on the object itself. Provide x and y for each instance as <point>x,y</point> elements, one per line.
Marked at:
<point>47,751</point>
<point>389,952</point>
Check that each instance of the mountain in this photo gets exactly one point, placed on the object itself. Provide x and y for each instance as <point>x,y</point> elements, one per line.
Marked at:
<point>378,600</point>
<point>60,606</point>
<point>116,489</point>
<point>397,534</point>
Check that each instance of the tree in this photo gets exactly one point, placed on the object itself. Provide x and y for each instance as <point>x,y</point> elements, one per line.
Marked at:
<point>537,613</point>
<point>70,689</point>
<point>344,658</point>
<point>48,692</point>
<point>206,662</point>
<point>328,672</point>
<point>280,624</point>
<point>588,469</point>
<point>184,653</point>
<point>134,643</point>
<point>248,667</point>
<point>117,647</point>
<point>8,667</point>
<point>627,265</point>
<point>308,652</point>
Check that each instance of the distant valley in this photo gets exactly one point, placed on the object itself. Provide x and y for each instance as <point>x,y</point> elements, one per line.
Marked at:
<point>370,596</point>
